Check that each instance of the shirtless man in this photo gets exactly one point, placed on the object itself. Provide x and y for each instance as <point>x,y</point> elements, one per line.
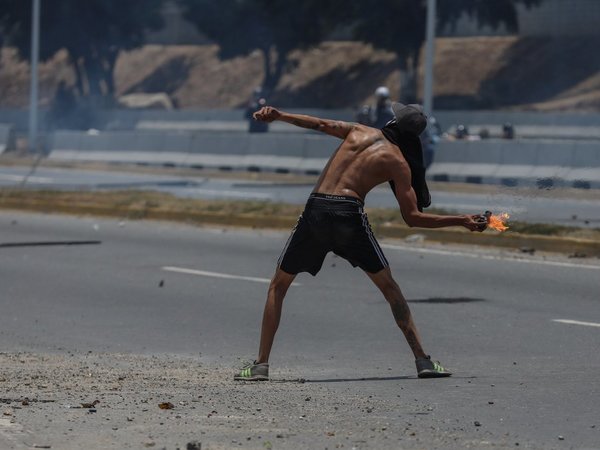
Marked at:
<point>334,220</point>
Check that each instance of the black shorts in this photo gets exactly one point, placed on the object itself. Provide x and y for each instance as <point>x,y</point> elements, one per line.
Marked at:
<point>331,223</point>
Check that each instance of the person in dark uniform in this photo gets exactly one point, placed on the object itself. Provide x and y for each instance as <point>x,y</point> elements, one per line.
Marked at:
<point>334,218</point>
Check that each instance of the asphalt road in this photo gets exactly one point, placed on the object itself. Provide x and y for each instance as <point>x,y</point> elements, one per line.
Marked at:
<point>527,206</point>
<point>521,333</point>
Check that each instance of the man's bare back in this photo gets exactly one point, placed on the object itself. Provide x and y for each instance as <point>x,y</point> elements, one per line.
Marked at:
<point>361,162</point>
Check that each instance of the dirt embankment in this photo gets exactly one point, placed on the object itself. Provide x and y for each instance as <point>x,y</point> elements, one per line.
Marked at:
<point>476,72</point>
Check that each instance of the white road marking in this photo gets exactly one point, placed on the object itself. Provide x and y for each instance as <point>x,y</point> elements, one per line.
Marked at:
<point>205,273</point>
<point>577,322</point>
<point>489,257</point>
<point>19,178</point>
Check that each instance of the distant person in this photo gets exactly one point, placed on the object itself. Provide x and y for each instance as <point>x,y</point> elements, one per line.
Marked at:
<point>63,107</point>
<point>508,131</point>
<point>461,132</point>
<point>428,144</point>
<point>429,139</point>
<point>383,107</point>
<point>484,133</point>
<point>334,218</point>
<point>363,116</point>
<point>257,101</point>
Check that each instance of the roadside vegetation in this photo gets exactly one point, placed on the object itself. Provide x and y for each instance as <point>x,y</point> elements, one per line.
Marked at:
<point>134,204</point>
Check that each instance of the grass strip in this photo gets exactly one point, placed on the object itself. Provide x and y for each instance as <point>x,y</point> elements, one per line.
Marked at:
<point>387,222</point>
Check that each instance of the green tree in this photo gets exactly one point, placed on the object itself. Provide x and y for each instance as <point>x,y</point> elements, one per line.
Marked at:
<point>399,26</point>
<point>92,31</point>
<point>275,27</point>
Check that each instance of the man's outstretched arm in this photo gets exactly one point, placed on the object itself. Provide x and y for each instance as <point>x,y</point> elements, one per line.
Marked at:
<point>407,200</point>
<point>335,128</point>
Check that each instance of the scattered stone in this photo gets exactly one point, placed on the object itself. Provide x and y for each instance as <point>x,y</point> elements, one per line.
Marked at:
<point>166,405</point>
<point>528,250</point>
<point>490,403</point>
<point>477,423</point>
<point>162,283</point>
<point>561,438</point>
<point>149,444</point>
<point>194,445</point>
<point>578,255</point>
<point>90,405</point>
<point>414,238</point>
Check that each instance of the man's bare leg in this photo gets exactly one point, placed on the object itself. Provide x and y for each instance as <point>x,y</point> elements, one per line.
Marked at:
<point>392,293</point>
<point>277,289</point>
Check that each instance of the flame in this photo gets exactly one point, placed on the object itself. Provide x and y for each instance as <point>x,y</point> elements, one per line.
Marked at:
<point>498,222</point>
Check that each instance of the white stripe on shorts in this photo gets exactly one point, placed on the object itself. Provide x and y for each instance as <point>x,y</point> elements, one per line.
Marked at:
<point>287,244</point>
<point>378,250</point>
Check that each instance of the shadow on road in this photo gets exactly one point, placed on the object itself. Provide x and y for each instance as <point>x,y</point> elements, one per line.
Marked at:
<point>345,380</point>
<point>350,380</point>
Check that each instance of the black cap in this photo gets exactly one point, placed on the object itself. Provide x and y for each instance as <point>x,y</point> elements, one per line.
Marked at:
<point>410,118</point>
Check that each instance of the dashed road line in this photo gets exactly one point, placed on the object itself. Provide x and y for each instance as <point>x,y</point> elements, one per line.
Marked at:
<point>20,178</point>
<point>577,322</point>
<point>205,273</point>
<point>434,251</point>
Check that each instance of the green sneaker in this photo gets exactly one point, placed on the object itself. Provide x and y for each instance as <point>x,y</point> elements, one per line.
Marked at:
<point>426,368</point>
<point>253,372</point>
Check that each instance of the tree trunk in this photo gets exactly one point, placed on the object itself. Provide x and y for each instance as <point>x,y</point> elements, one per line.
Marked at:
<point>274,63</point>
<point>78,77</point>
<point>94,78</point>
<point>408,80</point>
<point>267,79</point>
<point>109,72</point>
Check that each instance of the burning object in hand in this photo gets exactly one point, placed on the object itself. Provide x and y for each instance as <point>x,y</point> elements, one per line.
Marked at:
<point>495,222</point>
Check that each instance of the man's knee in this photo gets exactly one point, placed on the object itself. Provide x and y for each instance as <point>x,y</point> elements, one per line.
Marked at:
<point>281,282</point>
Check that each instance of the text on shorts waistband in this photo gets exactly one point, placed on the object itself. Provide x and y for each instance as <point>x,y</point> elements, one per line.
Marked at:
<point>343,198</point>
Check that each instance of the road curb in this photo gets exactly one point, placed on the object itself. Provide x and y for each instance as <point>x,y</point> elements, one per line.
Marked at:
<point>571,246</point>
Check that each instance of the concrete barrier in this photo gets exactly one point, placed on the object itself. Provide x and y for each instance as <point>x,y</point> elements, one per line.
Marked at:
<point>517,162</point>
<point>526,163</point>
<point>287,152</point>
<point>7,137</point>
